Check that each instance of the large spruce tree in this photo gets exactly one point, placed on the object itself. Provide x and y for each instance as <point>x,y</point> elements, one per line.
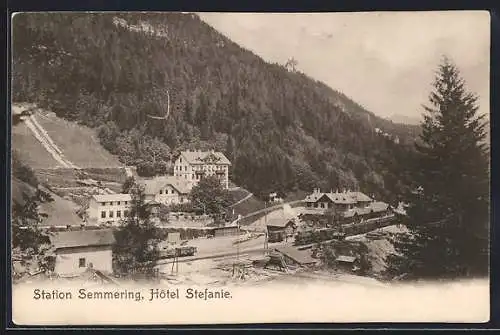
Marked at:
<point>136,250</point>
<point>448,212</point>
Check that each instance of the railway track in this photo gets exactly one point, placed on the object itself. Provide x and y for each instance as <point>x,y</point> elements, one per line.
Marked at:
<point>242,253</point>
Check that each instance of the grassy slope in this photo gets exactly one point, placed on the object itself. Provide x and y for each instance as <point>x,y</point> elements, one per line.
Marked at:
<point>78,143</point>
<point>31,152</point>
<point>20,189</point>
<point>238,194</point>
<point>61,212</point>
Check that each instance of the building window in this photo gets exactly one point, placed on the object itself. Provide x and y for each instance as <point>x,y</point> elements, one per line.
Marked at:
<point>81,262</point>
<point>110,214</point>
<point>118,214</point>
<point>185,168</point>
<point>103,203</point>
<point>111,203</point>
<point>161,191</point>
<point>125,213</point>
<point>126,202</point>
<point>118,203</point>
<point>182,199</point>
<point>103,214</point>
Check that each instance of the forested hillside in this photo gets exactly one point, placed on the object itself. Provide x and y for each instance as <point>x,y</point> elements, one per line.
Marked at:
<point>283,131</point>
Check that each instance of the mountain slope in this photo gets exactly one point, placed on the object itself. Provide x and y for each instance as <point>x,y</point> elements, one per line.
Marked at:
<point>282,130</point>
<point>44,140</point>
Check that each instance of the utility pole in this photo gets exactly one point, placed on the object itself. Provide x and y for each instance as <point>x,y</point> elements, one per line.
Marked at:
<point>236,265</point>
<point>238,244</point>
<point>266,246</point>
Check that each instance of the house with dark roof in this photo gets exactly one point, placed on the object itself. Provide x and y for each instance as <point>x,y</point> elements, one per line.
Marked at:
<point>374,209</point>
<point>192,165</point>
<point>166,189</point>
<point>77,251</point>
<point>280,228</point>
<point>340,201</point>
<point>293,256</point>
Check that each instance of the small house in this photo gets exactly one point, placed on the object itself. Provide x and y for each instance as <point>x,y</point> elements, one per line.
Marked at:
<point>294,257</point>
<point>340,201</point>
<point>76,251</point>
<point>109,208</point>
<point>279,229</point>
<point>166,190</point>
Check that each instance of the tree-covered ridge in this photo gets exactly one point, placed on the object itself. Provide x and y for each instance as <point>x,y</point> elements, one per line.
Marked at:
<point>281,130</point>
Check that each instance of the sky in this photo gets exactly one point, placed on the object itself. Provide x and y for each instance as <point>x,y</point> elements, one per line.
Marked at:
<point>385,61</point>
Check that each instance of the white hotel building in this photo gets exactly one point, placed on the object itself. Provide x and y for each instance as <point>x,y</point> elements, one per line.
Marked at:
<point>192,165</point>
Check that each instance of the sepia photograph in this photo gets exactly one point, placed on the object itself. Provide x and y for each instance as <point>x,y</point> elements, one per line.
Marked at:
<point>173,168</point>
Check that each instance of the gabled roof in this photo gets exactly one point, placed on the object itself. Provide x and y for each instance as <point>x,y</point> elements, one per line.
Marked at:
<point>346,259</point>
<point>376,207</point>
<point>154,185</point>
<point>314,197</point>
<point>379,206</point>
<point>112,197</point>
<point>339,197</point>
<point>358,196</point>
<point>300,256</point>
<point>280,222</point>
<point>83,238</point>
<point>205,157</point>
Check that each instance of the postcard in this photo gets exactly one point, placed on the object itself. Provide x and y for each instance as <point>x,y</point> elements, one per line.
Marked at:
<point>173,168</point>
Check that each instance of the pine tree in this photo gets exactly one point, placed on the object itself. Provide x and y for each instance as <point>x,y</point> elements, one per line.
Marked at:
<point>136,250</point>
<point>209,197</point>
<point>26,232</point>
<point>448,213</point>
<point>128,184</point>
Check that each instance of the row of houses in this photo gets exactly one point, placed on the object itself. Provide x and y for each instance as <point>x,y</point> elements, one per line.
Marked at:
<point>350,207</point>
<point>189,168</point>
